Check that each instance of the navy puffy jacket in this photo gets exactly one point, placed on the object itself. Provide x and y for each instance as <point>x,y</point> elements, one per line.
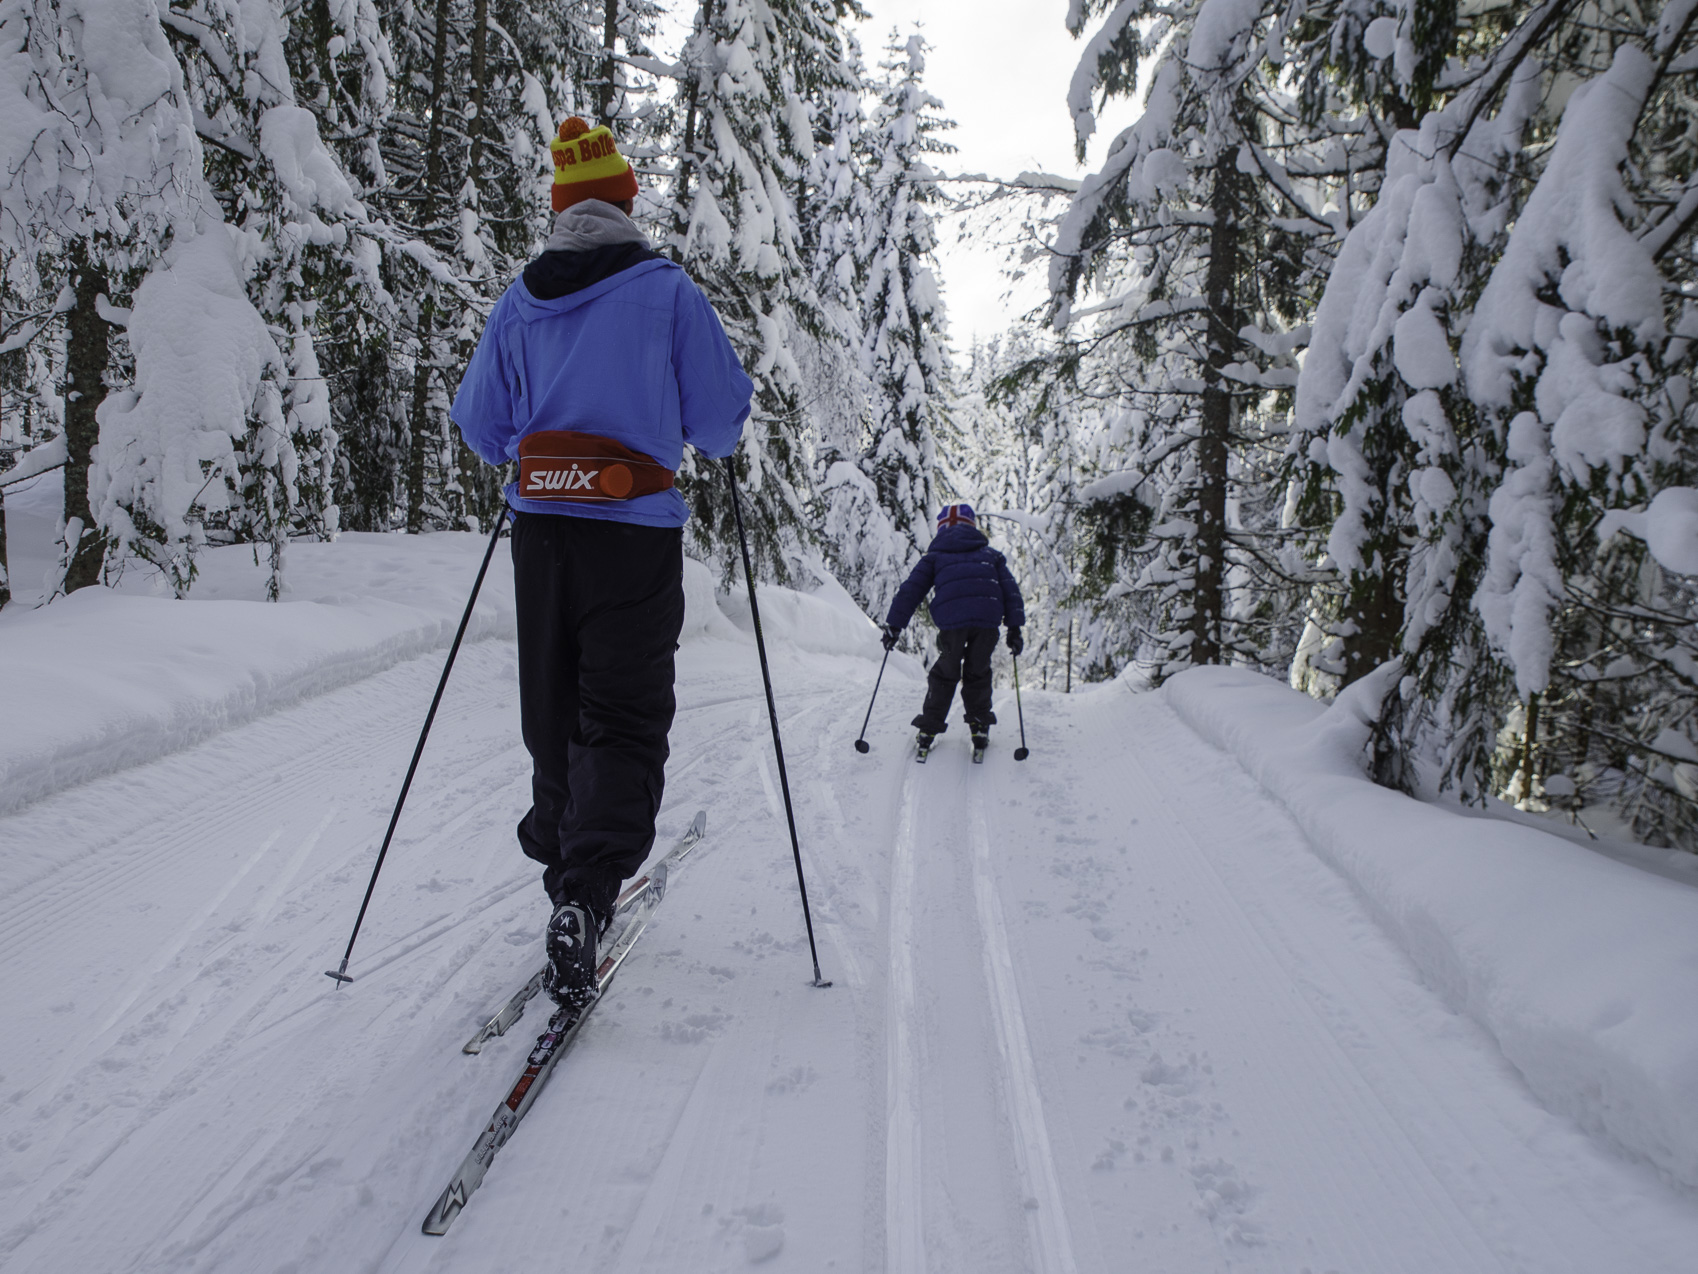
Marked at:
<point>973,588</point>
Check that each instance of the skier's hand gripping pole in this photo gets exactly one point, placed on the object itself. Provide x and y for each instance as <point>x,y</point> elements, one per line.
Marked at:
<point>340,974</point>
<point>772,712</point>
<point>861,744</point>
<point>1021,752</point>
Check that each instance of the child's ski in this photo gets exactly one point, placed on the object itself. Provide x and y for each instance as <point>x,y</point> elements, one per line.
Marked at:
<point>923,747</point>
<point>637,905</point>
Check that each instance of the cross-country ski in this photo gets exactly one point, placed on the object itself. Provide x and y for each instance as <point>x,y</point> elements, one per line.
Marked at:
<point>631,917</point>
<point>658,637</point>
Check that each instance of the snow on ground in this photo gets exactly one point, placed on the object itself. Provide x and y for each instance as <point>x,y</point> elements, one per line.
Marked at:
<point>1108,1009</point>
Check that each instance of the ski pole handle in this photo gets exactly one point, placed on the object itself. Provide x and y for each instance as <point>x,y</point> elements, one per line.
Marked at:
<point>861,744</point>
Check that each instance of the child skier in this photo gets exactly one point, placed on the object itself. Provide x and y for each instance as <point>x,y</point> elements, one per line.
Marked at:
<point>595,368</point>
<point>972,594</point>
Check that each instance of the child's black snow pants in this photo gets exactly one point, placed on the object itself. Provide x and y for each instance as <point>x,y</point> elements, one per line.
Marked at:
<point>964,655</point>
<point>600,606</point>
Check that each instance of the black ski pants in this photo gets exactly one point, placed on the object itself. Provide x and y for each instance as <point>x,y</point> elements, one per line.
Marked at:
<point>600,606</point>
<point>963,655</point>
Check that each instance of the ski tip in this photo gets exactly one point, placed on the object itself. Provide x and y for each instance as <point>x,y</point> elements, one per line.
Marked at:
<point>698,825</point>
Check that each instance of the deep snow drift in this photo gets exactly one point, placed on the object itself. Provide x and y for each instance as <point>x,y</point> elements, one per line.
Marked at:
<point>1138,1003</point>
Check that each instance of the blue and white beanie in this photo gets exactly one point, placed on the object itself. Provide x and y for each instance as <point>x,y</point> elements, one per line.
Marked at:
<point>956,515</point>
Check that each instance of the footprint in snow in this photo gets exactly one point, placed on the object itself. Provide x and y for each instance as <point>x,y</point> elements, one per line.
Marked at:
<point>762,1231</point>
<point>693,1028</point>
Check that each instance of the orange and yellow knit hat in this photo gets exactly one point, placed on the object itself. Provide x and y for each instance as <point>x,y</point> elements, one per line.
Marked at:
<point>587,165</point>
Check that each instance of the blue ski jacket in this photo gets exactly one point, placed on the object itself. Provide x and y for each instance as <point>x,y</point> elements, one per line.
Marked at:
<point>637,356</point>
<point>969,581</point>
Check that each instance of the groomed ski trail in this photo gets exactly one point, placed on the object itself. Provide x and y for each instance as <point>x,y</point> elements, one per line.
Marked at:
<point>1103,1010</point>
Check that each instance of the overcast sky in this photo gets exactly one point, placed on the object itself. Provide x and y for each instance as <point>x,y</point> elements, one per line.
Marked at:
<point>1001,68</point>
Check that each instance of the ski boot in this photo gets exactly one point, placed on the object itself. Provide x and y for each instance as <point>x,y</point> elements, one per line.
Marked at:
<point>571,945</point>
<point>981,740</point>
<point>923,746</point>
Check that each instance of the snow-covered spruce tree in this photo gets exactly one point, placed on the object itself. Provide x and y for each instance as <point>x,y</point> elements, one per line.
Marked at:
<point>879,517</point>
<point>98,163</point>
<point>744,151</point>
<point>833,225</point>
<point>1533,643</point>
<point>31,366</point>
<point>1189,243</point>
<point>477,89</point>
<point>343,70</point>
<point>1578,361</point>
<point>305,243</point>
<point>1025,455</point>
<point>1382,440</point>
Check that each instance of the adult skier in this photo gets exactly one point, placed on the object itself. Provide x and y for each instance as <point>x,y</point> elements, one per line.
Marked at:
<point>973,593</point>
<point>595,368</point>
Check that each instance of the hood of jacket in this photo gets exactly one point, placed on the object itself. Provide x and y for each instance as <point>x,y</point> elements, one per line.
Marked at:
<point>557,276</point>
<point>592,243</point>
<point>958,539</point>
<point>592,223</point>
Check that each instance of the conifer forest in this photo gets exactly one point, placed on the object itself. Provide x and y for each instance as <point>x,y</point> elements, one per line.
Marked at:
<point>1366,357</point>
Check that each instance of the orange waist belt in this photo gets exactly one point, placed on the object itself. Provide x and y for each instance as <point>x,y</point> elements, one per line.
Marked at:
<point>558,464</point>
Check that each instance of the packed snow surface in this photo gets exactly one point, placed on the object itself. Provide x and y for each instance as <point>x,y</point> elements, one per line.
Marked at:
<point>1137,1003</point>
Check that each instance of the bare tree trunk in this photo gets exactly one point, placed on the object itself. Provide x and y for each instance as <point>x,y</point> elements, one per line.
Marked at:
<point>1374,610</point>
<point>87,350</point>
<point>609,68</point>
<point>1208,597</point>
<point>687,160</point>
<point>480,84</point>
<point>422,435</point>
<point>1528,741</point>
<point>5,570</point>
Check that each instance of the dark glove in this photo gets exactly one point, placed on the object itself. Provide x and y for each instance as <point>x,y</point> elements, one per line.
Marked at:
<point>891,635</point>
<point>1016,643</point>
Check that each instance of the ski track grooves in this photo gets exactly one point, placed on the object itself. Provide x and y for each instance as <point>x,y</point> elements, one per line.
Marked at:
<point>184,1092</point>
<point>1051,1236</point>
<point>905,1241</point>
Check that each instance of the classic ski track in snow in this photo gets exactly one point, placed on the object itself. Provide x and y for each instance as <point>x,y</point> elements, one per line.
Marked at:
<point>905,1239</point>
<point>1112,982</point>
<point>1052,1237</point>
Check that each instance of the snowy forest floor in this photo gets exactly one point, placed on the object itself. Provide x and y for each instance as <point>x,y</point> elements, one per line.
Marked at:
<point>1103,1010</point>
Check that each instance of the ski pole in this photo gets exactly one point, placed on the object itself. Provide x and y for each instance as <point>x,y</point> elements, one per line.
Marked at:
<point>861,744</point>
<point>772,712</point>
<point>1021,752</point>
<point>341,974</point>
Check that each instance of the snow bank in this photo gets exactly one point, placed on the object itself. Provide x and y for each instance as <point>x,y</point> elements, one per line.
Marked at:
<point>1582,968</point>
<point>826,622</point>
<point>110,678</point>
<point>702,616</point>
<point>106,679</point>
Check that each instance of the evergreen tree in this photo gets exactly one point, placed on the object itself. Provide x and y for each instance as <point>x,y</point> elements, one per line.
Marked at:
<point>880,478</point>
<point>1191,234</point>
<point>466,149</point>
<point>100,164</point>
<point>745,149</point>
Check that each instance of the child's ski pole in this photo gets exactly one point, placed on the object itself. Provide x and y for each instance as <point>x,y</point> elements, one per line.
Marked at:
<point>861,744</point>
<point>1021,752</point>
